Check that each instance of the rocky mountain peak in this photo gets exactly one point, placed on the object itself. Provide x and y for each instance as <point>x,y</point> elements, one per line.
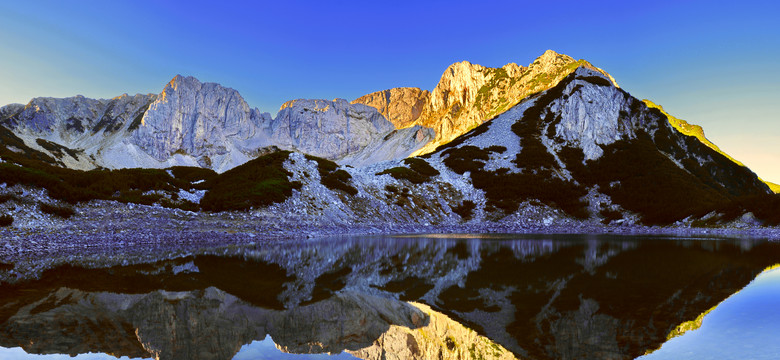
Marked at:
<point>513,70</point>
<point>469,94</point>
<point>550,60</point>
<point>458,85</point>
<point>203,120</point>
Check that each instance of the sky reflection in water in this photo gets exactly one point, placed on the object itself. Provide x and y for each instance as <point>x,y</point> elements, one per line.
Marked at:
<point>745,326</point>
<point>257,350</point>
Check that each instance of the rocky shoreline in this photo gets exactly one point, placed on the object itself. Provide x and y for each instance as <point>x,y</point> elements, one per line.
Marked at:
<point>113,233</point>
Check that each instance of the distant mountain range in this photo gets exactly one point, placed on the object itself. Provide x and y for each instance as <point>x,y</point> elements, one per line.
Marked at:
<point>205,124</point>
<point>488,143</point>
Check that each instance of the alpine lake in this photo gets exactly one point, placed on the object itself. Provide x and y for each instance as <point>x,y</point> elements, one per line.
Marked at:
<point>442,296</point>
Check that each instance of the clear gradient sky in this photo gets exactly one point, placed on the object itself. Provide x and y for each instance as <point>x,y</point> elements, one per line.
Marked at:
<point>712,63</point>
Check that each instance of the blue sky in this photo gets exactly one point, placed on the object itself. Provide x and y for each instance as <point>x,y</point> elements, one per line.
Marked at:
<point>712,63</point>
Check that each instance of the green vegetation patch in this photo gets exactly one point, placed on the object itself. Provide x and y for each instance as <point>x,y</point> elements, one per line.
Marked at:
<point>479,130</point>
<point>469,158</point>
<point>64,212</point>
<point>418,172</point>
<point>499,75</point>
<point>421,167</point>
<point>260,182</point>
<point>641,179</point>
<point>14,150</point>
<point>74,124</point>
<point>6,220</point>
<point>4,198</point>
<point>465,209</point>
<point>610,215</point>
<point>332,177</point>
<point>764,207</point>
<point>506,191</point>
<point>596,80</point>
<point>193,174</point>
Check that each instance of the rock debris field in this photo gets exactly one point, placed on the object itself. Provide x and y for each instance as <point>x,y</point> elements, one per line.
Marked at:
<point>107,232</point>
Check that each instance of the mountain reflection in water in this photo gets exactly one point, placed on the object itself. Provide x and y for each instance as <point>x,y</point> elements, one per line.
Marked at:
<point>540,297</point>
<point>745,326</point>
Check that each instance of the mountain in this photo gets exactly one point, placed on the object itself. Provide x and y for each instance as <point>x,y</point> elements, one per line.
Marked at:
<point>552,142</point>
<point>583,149</point>
<point>201,124</point>
<point>469,94</point>
<point>342,131</point>
<point>83,126</point>
<point>192,123</point>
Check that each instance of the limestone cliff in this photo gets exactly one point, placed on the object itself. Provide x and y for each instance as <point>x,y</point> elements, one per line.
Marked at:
<point>86,126</point>
<point>402,106</point>
<point>204,120</point>
<point>585,147</point>
<point>193,123</point>
<point>469,94</point>
<point>337,129</point>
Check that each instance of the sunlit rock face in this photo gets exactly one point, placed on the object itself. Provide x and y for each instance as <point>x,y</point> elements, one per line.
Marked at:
<point>469,94</point>
<point>584,147</point>
<point>592,116</point>
<point>402,106</point>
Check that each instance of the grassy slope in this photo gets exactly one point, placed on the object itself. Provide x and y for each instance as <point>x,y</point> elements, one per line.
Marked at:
<point>697,131</point>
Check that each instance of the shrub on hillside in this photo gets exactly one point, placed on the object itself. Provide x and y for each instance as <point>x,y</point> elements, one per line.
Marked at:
<point>466,158</point>
<point>643,180</point>
<point>6,220</point>
<point>332,177</point>
<point>610,215</point>
<point>418,172</point>
<point>465,210</point>
<point>64,212</point>
<point>260,182</point>
<point>421,167</point>
<point>192,174</point>
<point>4,198</point>
<point>764,207</point>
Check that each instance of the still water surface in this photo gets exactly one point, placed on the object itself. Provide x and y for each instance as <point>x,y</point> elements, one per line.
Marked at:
<point>436,296</point>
